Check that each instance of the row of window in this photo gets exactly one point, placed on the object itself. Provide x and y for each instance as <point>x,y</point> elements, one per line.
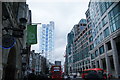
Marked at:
<point>101,50</point>
<point>101,36</point>
<point>103,6</point>
<point>114,16</point>
<point>82,63</point>
<point>81,55</point>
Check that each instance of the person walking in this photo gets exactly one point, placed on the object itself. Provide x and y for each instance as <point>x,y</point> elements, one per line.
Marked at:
<point>32,75</point>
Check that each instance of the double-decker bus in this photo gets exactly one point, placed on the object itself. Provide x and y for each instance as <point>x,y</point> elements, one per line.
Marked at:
<point>56,72</point>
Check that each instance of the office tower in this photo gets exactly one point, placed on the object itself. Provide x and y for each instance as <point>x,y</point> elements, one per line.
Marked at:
<point>47,39</point>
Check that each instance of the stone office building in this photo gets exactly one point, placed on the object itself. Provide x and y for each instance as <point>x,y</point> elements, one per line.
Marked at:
<point>14,15</point>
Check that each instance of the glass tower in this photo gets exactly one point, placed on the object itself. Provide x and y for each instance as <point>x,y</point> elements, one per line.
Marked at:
<point>47,39</point>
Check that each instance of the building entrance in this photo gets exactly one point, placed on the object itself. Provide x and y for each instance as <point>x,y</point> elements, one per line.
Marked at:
<point>10,68</point>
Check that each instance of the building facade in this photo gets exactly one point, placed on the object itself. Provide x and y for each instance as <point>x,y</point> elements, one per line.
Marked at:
<point>47,39</point>
<point>81,59</point>
<point>105,18</point>
<point>14,14</point>
<point>1,69</point>
<point>97,45</point>
<point>77,50</point>
<point>37,62</point>
<point>69,52</point>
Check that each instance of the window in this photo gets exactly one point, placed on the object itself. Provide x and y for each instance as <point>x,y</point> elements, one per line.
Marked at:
<point>95,42</point>
<point>114,16</point>
<point>89,32</point>
<point>91,47</point>
<point>101,49</point>
<point>113,27</point>
<point>104,63</point>
<point>106,32</point>
<point>98,39</point>
<point>104,21</point>
<point>109,46</point>
<point>92,56</point>
<point>98,64</point>
<point>91,39</point>
<point>96,53</point>
<point>96,29</point>
<point>101,37</point>
<point>108,4</point>
<point>103,7</point>
<point>100,25</point>
<point>111,62</point>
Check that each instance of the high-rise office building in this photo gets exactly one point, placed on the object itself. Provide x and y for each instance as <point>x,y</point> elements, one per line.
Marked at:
<point>98,45</point>
<point>77,48</point>
<point>104,17</point>
<point>47,39</point>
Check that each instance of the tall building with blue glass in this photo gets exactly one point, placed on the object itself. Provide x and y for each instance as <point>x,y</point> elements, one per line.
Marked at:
<point>104,18</point>
<point>76,50</point>
<point>47,39</point>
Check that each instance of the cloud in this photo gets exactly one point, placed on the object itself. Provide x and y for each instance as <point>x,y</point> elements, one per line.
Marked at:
<point>65,15</point>
<point>54,1</point>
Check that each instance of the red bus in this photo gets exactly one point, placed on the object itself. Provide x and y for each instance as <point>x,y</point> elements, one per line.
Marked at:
<point>97,70</point>
<point>56,72</point>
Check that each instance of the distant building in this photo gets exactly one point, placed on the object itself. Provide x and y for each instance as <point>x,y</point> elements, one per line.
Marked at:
<point>75,49</point>
<point>79,27</point>
<point>37,63</point>
<point>47,39</point>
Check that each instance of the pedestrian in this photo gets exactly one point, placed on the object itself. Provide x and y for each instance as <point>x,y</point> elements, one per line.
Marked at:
<point>75,75</point>
<point>68,77</point>
<point>32,76</point>
<point>25,78</point>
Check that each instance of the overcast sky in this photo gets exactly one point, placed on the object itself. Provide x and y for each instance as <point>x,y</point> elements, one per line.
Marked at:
<point>65,14</point>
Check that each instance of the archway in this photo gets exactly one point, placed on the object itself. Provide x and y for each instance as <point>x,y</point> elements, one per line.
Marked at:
<point>10,68</point>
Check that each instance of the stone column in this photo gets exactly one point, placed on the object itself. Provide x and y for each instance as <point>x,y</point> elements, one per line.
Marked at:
<point>100,62</point>
<point>115,58</point>
<point>107,59</point>
<point>96,65</point>
<point>1,69</point>
<point>91,62</point>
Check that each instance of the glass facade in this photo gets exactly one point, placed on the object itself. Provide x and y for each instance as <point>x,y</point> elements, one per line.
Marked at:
<point>106,32</point>
<point>104,21</point>
<point>96,53</point>
<point>101,50</point>
<point>103,18</point>
<point>47,38</point>
<point>92,56</point>
<point>114,17</point>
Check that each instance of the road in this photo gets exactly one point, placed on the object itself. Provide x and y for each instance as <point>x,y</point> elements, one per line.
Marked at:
<point>83,79</point>
<point>79,78</point>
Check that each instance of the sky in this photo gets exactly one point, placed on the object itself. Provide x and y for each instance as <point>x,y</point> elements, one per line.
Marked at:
<point>64,13</point>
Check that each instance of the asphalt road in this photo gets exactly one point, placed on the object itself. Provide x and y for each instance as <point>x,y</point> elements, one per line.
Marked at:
<point>83,79</point>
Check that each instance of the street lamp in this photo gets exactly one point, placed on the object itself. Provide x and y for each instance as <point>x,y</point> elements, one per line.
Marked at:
<point>22,26</point>
<point>23,22</point>
<point>18,32</point>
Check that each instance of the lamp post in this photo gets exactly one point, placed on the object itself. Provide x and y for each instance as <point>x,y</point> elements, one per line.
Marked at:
<point>17,32</point>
